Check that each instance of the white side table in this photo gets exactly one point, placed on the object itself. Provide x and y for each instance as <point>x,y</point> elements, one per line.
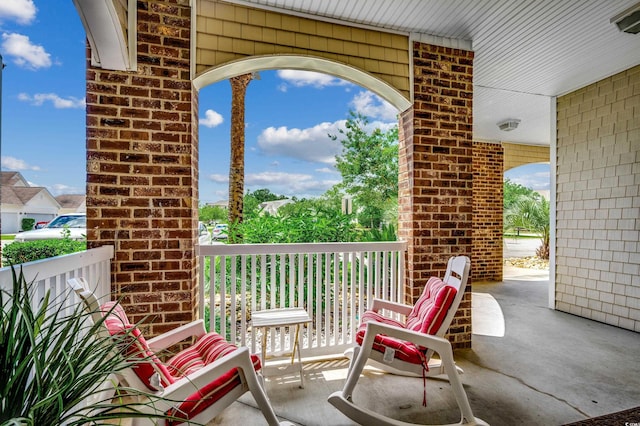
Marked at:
<point>282,317</point>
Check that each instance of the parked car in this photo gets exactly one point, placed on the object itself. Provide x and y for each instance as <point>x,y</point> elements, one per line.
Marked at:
<point>220,231</point>
<point>76,223</point>
<point>204,237</point>
<point>40,225</point>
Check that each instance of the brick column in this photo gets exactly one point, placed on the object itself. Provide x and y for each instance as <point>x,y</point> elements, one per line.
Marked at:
<point>142,169</point>
<point>488,186</point>
<point>435,172</point>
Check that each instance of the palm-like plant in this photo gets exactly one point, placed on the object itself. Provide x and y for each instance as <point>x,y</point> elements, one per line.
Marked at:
<point>531,213</point>
<point>53,361</point>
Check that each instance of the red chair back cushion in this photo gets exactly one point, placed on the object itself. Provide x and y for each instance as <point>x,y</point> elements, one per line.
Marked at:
<point>136,346</point>
<point>431,308</point>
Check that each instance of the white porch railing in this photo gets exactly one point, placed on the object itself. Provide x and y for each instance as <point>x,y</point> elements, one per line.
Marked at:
<point>52,274</point>
<point>334,282</point>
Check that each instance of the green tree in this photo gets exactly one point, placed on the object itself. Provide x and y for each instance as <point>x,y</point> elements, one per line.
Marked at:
<point>208,213</point>
<point>531,213</point>
<point>369,167</point>
<point>513,191</point>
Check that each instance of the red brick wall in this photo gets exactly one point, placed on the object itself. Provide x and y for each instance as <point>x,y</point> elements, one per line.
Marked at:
<point>435,172</point>
<point>142,165</point>
<point>488,164</point>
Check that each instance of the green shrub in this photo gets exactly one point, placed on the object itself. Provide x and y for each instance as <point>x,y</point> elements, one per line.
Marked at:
<point>28,223</point>
<point>28,251</point>
<point>384,233</point>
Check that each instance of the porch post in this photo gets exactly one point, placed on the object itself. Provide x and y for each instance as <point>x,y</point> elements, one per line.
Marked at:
<point>435,174</point>
<point>142,168</point>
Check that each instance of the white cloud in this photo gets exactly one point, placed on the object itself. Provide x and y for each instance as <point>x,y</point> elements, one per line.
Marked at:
<point>61,103</point>
<point>309,78</point>
<point>290,184</point>
<point>326,170</point>
<point>25,53</point>
<point>16,164</point>
<point>211,119</point>
<point>312,144</point>
<point>371,105</point>
<point>60,188</point>
<point>536,176</point>
<point>537,181</point>
<point>218,178</point>
<point>22,11</point>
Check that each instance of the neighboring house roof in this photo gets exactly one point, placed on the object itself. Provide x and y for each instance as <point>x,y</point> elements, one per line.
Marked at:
<point>13,179</point>
<point>221,203</point>
<point>72,201</point>
<point>16,192</point>
<point>21,196</point>
<point>272,207</point>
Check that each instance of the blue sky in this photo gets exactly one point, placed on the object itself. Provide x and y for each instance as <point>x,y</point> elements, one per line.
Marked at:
<point>289,114</point>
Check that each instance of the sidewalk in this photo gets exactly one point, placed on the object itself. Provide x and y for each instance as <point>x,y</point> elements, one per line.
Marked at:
<point>520,247</point>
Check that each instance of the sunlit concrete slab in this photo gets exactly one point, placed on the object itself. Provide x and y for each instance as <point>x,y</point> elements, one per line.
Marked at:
<point>549,368</point>
<point>487,318</point>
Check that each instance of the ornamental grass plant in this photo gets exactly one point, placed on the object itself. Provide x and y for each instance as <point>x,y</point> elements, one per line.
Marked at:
<point>55,363</point>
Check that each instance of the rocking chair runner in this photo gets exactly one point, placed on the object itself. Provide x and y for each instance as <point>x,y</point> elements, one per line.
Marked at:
<point>204,378</point>
<point>406,347</point>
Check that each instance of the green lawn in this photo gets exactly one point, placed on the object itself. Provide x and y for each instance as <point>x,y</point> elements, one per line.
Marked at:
<point>7,237</point>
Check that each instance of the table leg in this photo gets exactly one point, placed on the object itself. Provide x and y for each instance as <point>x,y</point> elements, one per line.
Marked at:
<point>296,347</point>
<point>264,346</point>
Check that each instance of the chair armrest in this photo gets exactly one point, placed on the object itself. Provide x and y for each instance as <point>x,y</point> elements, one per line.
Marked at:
<point>400,308</point>
<point>438,344</point>
<point>170,338</point>
<point>240,358</point>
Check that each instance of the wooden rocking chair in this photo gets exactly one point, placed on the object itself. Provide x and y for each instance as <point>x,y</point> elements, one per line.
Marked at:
<point>198,382</point>
<point>406,347</point>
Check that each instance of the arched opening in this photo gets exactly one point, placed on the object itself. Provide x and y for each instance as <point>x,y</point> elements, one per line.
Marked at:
<point>293,107</point>
<point>307,63</point>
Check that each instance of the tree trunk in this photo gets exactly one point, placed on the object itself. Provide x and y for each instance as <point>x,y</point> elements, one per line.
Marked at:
<point>236,168</point>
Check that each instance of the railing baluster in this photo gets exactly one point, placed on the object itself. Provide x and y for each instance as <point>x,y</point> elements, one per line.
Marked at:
<point>353,323</point>
<point>345,297</point>
<point>223,295</point>
<point>213,290</point>
<point>263,282</point>
<point>336,298</point>
<point>254,296</point>
<point>308,305</point>
<point>243,300</point>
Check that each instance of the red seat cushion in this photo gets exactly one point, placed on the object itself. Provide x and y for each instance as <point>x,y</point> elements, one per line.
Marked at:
<point>206,350</point>
<point>425,317</point>
<point>209,394</point>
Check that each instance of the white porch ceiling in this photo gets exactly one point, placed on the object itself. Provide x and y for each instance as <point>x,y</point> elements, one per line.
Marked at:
<point>526,52</point>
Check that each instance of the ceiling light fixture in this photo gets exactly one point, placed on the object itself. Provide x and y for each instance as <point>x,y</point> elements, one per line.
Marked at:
<point>508,124</point>
<point>629,20</point>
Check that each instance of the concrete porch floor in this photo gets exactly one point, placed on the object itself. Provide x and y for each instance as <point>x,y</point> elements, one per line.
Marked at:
<point>549,368</point>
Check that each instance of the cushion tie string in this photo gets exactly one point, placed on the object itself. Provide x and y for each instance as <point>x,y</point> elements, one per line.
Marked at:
<point>425,369</point>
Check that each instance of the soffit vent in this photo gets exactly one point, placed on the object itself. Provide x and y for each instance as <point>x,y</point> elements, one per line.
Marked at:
<point>629,20</point>
<point>508,124</point>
